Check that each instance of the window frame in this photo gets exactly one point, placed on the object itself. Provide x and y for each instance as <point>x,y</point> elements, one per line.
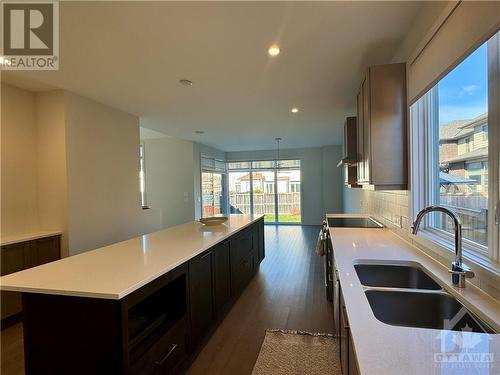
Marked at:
<point>254,167</point>
<point>424,151</point>
<point>213,168</point>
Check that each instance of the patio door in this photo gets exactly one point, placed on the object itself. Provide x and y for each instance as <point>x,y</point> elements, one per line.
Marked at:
<point>260,188</point>
<point>213,193</point>
<point>288,196</point>
<point>264,194</point>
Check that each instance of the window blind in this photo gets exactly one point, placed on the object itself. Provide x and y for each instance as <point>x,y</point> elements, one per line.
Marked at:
<point>462,27</point>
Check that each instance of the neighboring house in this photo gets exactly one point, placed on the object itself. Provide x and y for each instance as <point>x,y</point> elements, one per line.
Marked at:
<point>263,185</point>
<point>463,151</point>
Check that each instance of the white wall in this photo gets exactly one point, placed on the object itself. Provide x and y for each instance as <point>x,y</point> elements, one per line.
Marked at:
<point>321,179</point>
<point>333,180</point>
<point>52,181</point>
<point>198,150</point>
<point>19,208</point>
<point>169,179</point>
<point>102,146</point>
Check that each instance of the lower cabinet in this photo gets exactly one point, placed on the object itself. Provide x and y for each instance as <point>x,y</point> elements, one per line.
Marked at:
<point>221,278</point>
<point>348,359</point>
<point>20,256</point>
<point>260,239</point>
<point>244,257</point>
<point>167,353</point>
<point>221,274</point>
<point>201,295</point>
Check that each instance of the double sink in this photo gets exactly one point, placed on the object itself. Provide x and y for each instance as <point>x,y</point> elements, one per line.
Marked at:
<point>406,295</point>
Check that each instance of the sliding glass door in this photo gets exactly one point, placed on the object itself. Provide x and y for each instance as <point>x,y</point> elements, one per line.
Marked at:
<point>213,186</point>
<point>212,197</point>
<point>263,189</point>
<point>259,187</point>
<point>239,193</point>
<point>289,205</point>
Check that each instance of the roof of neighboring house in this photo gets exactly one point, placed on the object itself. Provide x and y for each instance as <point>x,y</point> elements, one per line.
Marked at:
<point>449,179</point>
<point>256,176</point>
<point>480,153</point>
<point>260,176</point>
<point>460,128</point>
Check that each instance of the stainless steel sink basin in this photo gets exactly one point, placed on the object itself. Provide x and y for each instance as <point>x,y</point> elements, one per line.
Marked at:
<point>423,310</point>
<point>394,276</point>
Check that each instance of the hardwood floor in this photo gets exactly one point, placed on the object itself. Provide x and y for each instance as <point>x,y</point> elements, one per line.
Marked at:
<point>12,350</point>
<point>287,293</point>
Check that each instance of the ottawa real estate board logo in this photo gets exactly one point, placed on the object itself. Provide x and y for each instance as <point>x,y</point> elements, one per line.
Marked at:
<point>30,35</point>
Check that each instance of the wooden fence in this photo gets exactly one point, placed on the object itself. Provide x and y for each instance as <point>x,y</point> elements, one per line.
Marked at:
<point>263,203</point>
<point>472,208</point>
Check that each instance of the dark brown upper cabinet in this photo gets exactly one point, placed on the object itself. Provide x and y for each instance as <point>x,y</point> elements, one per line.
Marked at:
<point>350,153</point>
<point>382,148</point>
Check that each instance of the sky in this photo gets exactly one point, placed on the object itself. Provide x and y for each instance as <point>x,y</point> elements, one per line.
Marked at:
<point>463,93</point>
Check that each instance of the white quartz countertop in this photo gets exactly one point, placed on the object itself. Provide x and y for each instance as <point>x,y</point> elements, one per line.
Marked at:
<point>386,349</point>
<point>114,271</point>
<point>12,239</point>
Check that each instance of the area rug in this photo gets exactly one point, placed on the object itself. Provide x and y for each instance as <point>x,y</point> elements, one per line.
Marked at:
<point>297,353</point>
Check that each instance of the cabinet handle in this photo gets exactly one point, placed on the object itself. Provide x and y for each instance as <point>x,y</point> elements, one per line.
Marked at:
<point>165,357</point>
<point>205,255</point>
<point>344,316</point>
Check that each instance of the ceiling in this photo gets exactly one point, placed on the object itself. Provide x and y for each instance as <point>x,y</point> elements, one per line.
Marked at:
<point>131,55</point>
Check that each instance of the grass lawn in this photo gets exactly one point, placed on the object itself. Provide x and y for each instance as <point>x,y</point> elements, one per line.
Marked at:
<point>282,218</point>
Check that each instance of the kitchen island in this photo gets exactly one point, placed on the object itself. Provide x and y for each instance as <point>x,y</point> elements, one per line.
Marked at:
<point>138,306</point>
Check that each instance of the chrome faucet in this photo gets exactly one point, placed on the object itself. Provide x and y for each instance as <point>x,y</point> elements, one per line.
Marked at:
<point>459,271</point>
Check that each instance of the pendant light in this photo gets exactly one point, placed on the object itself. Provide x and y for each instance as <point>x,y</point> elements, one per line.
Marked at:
<point>278,140</point>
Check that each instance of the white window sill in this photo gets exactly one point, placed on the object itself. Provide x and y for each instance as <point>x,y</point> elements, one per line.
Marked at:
<point>445,248</point>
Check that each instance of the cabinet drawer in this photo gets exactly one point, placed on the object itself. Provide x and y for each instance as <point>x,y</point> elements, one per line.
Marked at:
<point>242,245</point>
<point>165,355</point>
<point>242,274</point>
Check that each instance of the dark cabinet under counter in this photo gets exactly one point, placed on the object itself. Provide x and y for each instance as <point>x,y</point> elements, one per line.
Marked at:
<point>19,256</point>
<point>155,329</point>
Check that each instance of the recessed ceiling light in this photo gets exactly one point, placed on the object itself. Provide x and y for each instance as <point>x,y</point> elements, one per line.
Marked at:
<point>294,110</point>
<point>199,132</point>
<point>274,50</point>
<point>186,82</point>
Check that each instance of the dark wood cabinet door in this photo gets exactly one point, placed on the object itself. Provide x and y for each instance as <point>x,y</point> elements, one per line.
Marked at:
<point>353,362</point>
<point>360,138</point>
<point>222,278</point>
<point>201,296</point>
<point>367,130</point>
<point>260,241</point>
<point>241,245</point>
<point>242,274</point>
<point>15,258</point>
<point>45,250</point>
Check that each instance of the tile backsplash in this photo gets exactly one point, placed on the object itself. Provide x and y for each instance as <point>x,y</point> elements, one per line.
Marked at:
<point>389,207</point>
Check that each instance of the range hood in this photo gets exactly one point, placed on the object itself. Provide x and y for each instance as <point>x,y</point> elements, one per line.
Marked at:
<point>350,143</point>
<point>349,161</point>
